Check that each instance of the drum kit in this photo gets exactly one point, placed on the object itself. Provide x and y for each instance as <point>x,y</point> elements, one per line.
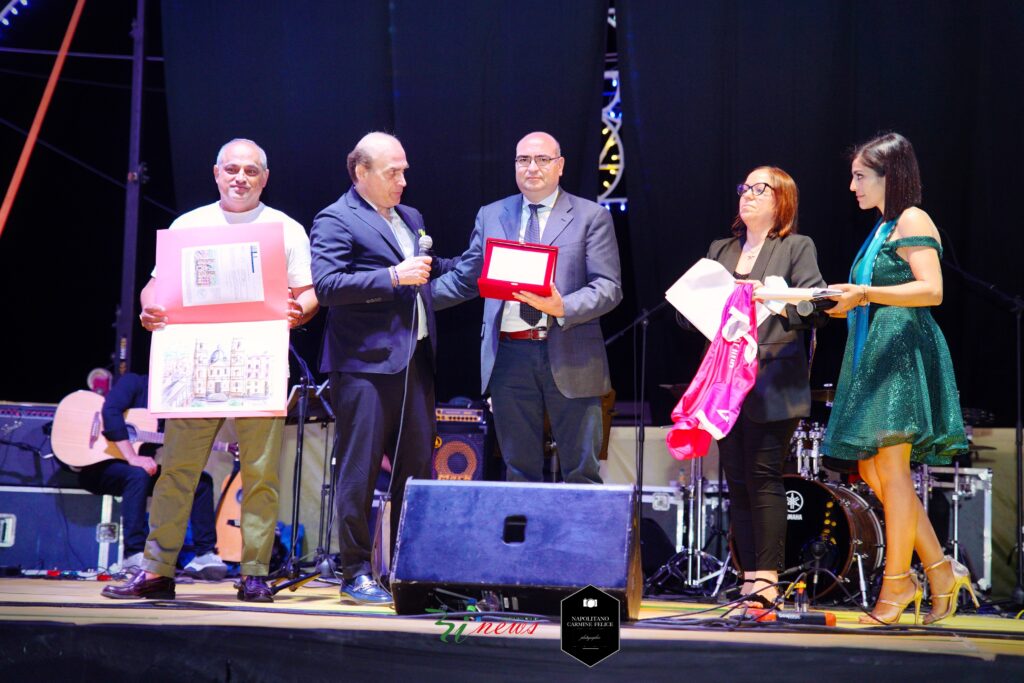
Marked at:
<point>834,525</point>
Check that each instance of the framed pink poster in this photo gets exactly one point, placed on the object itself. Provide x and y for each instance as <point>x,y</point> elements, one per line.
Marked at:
<point>224,350</point>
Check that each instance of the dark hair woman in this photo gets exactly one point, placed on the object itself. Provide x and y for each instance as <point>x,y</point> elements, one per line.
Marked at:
<point>896,400</point>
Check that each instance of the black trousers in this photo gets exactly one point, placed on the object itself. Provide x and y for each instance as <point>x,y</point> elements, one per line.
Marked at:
<point>370,421</point>
<point>752,456</point>
<point>118,478</point>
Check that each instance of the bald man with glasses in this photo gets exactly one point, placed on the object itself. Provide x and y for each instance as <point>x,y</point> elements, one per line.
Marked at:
<point>544,354</point>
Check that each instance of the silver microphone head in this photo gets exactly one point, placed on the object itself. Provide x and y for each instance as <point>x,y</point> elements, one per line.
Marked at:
<point>805,307</point>
<point>426,243</point>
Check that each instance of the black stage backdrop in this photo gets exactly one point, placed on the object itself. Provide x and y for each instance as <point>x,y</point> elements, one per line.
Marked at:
<point>61,251</point>
<point>712,90</point>
<point>458,82</point>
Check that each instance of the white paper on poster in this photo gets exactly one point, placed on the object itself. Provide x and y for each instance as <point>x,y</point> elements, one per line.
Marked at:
<point>518,265</point>
<point>219,369</point>
<point>221,274</point>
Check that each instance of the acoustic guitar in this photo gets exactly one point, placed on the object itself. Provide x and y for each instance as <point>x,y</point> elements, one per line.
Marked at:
<point>77,437</point>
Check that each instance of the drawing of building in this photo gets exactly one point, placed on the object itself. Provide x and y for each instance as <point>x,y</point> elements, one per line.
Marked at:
<point>219,376</point>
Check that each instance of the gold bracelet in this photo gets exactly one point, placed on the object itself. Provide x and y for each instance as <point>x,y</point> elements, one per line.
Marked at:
<point>864,295</point>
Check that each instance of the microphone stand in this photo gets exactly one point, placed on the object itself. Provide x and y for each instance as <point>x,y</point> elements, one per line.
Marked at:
<point>289,575</point>
<point>643,320</point>
<point>1016,307</point>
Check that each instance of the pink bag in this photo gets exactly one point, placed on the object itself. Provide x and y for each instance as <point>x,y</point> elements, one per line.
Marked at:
<point>712,402</point>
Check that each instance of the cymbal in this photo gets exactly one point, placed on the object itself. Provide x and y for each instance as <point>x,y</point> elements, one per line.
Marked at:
<point>823,395</point>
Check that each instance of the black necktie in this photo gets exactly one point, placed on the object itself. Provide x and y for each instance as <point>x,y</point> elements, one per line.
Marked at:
<point>529,314</point>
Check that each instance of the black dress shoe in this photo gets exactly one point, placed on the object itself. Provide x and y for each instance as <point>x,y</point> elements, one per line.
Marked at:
<point>254,589</point>
<point>160,588</point>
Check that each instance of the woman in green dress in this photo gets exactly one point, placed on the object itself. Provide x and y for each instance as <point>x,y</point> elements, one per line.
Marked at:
<point>896,400</point>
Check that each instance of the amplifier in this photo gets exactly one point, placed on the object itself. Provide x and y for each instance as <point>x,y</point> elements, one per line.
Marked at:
<point>462,444</point>
<point>464,415</point>
<point>459,455</point>
<point>26,457</point>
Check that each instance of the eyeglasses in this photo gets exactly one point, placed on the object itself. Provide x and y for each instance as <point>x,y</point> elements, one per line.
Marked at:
<point>235,169</point>
<point>542,161</point>
<point>757,188</point>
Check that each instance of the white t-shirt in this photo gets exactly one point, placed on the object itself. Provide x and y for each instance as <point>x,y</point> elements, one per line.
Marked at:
<point>296,241</point>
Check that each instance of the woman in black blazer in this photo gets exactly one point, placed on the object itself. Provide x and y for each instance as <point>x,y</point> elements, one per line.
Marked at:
<point>765,243</point>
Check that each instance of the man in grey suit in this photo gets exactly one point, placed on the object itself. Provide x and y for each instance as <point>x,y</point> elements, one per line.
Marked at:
<point>544,354</point>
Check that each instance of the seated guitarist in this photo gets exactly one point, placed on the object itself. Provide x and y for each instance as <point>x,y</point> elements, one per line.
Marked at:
<point>133,479</point>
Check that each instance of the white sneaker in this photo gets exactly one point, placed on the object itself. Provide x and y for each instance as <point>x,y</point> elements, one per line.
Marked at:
<point>208,567</point>
<point>129,565</point>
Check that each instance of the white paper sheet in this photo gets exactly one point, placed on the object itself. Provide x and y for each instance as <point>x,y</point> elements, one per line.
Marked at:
<point>771,305</point>
<point>221,274</point>
<point>219,369</point>
<point>517,265</point>
<point>701,293</point>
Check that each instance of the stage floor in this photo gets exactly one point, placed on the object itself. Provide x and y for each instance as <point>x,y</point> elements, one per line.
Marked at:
<point>66,625</point>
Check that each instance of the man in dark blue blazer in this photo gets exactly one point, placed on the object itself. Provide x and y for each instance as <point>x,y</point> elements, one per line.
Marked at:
<point>378,345</point>
<point>545,354</point>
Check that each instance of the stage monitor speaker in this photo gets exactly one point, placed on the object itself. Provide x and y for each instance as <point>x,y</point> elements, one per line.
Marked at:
<point>515,547</point>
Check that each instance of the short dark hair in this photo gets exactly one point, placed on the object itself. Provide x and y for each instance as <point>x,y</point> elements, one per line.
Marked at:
<point>891,156</point>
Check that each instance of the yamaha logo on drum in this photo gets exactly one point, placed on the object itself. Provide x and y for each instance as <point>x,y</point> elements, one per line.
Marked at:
<point>794,504</point>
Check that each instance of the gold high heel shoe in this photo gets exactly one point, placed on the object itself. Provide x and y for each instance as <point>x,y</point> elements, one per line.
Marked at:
<point>916,599</point>
<point>961,579</point>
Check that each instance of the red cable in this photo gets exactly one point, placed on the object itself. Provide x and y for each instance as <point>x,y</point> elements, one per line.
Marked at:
<point>37,123</point>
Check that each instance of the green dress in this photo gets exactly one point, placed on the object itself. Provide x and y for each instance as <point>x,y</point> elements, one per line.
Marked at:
<point>903,390</point>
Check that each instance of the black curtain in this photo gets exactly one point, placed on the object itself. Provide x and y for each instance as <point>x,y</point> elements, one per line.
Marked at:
<point>712,90</point>
<point>61,251</point>
<point>459,83</point>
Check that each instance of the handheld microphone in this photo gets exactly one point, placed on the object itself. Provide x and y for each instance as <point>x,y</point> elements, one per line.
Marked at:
<point>426,243</point>
<point>805,307</point>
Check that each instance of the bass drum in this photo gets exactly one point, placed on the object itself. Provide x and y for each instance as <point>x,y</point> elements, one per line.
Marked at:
<point>833,523</point>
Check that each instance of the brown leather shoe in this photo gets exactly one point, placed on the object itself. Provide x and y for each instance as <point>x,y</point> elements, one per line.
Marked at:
<point>160,588</point>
